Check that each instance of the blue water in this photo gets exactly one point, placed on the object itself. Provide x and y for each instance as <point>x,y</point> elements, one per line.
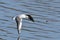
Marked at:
<point>46,14</point>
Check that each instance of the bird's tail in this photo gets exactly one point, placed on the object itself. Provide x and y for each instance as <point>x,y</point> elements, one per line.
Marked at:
<point>14,18</point>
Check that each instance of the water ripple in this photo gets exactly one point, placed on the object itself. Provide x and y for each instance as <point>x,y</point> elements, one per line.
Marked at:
<point>46,14</point>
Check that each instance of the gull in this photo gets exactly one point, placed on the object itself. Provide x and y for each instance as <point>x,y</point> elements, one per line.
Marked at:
<point>19,18</point>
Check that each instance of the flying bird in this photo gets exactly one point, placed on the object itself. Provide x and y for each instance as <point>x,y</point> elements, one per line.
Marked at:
<point>19,18</point>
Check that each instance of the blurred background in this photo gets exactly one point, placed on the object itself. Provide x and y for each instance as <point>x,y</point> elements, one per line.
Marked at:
<point>46,14</point>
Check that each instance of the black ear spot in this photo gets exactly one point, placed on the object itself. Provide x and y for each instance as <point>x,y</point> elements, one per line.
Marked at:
<point>30,18</point>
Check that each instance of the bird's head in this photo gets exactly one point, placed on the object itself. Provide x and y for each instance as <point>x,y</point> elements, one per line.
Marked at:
<point>30,17</point>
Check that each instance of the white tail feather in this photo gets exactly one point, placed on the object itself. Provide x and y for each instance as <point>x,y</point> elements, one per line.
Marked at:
<point>14,18</point>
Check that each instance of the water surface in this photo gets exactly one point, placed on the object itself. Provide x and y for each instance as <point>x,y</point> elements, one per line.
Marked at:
<point>46,14</point>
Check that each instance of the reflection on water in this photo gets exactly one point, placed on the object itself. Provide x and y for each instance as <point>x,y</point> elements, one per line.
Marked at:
<point>45,12</point>
<point>18,38</point>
